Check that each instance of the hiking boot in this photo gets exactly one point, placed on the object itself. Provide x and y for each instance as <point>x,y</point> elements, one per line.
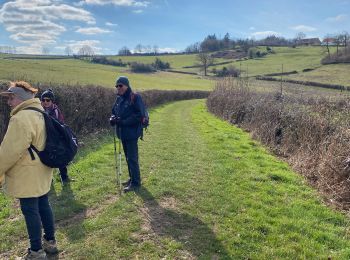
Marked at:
<point>33,255</point>
<point>126,183</point>
<point>50,246</point>
<point>131,187</point>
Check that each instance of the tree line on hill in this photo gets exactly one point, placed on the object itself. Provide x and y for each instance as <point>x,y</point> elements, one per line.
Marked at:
<point>212,43</point>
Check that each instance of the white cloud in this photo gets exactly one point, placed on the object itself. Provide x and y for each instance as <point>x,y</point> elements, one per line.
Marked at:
<point>168,50</point>
<point>111,24</point>
<point>116,2</point>
<point>338,18</point>
<point>264,34</point>
<point>138,11</point>
<point>303,28</point>
<point>31,49</point>
<point>92,30</point>
<point>39,22</point>
<point>30,38</point>
<point>76,45</point>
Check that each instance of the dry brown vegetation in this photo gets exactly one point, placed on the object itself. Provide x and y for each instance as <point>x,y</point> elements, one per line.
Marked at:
<point>342,56</point>
<point>87,108</point>
<point>307,127</point>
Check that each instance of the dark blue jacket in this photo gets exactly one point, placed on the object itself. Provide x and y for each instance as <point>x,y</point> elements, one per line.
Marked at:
<point>130,113</point>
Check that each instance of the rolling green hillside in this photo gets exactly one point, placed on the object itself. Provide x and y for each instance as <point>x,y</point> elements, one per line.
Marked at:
<point>73,71</point>
<point>292,59</point>
<point>328,74</point>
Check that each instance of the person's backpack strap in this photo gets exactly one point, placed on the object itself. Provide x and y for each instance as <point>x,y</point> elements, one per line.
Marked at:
<point>35,109</point>
<point>32,148</point>
<point>132,98</point>
<point>144,112</point>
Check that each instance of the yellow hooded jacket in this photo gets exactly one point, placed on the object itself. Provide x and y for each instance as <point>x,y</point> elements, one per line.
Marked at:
<point>24,177</point>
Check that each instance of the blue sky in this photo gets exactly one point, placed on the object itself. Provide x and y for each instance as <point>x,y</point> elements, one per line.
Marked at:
<point>171,25</point>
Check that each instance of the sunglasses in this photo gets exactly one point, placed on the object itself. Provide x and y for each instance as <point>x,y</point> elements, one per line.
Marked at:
<point>119,86</point>
<point>46,100</point>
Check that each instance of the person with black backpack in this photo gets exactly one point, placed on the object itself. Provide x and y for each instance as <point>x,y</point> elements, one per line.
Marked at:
<point>127,117</point>
<point>26,179</point>
<point>48,102</point>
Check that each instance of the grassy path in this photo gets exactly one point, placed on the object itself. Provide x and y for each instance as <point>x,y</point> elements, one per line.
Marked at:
<point>209,192</point>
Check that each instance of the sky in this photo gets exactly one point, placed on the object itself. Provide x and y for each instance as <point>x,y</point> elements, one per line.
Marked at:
<point>170,25</point>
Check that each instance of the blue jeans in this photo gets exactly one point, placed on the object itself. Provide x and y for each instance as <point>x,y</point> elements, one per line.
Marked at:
<point>37,211</point>
<point>132,158</point>
<point>64,173</point>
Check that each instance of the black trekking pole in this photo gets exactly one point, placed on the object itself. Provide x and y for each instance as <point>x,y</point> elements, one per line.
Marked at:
<point>118,163</point>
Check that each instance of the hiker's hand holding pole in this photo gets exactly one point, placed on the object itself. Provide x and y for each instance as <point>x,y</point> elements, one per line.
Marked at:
<point>347,163</point>
<point>113,120</point>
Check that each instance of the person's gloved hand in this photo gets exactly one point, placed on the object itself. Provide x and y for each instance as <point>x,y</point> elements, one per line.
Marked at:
<point>113,120</point>
<point>347,163</point>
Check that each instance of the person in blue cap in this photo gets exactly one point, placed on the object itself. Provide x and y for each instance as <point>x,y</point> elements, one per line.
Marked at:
<point>126,117</point>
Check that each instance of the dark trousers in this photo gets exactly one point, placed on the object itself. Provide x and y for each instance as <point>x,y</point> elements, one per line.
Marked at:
<point>132,158</point>
<point>64,173</point>
<point>37,212</point>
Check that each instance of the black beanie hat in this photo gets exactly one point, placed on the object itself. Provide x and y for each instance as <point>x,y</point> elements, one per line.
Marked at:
<point>123,80</point>
<point>48,94</point>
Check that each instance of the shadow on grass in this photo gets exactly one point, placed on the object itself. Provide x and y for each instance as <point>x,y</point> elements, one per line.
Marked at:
<point>69,213</point>
<point>194,235</point>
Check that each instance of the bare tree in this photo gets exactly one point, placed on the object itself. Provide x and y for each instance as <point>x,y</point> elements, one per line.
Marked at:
<point>226,41</point>
<point>8,49</point>
<point>205,60</point>
<point>193,48</point>
<point>45,50</point>
<point>155,49</point>
<point>124,51</point>
<point>138,48</point>
<point>327,40</point>
<point>338,42</point>
<point>344,38</point>
<point>86,51</point>
<point>68,50</point>
<point>299,36</point>
<point>148,49</point>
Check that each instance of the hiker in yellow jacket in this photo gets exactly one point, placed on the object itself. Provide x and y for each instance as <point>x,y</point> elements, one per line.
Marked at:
<point>24,178</point>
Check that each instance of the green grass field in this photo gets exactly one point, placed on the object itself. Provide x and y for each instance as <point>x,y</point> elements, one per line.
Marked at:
<point>328,74</point>
<point>292,59</point>
<point>72,71</point>
<point>176,61</point>
<point>209,192</point>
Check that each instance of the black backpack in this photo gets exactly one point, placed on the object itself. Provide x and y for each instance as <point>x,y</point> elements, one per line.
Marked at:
<point>144,112</point>
<point>61,143</point>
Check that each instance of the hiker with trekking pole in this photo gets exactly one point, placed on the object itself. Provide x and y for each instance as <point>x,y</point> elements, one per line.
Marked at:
<point>127,116</point>
<point>25,177</point>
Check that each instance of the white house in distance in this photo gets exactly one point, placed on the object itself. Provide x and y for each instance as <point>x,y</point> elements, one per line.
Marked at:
<point>330,41</point>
